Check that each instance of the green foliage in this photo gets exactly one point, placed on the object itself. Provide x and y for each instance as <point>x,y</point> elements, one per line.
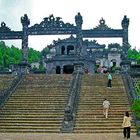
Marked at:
<point>13,55</point>
<point>136,103</point>
<point>9,55</point>
<point>134,54</point>
<point>136,108</point>
<point>33,55</point>
<point>138,88</point>
<point>45,51</point>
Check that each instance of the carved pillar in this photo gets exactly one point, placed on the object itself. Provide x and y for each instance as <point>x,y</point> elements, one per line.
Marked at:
<point>79,22</point>
<point>65,50</point>
<point>125,24</point>
<point>25,22</point>
<point>125,64</point>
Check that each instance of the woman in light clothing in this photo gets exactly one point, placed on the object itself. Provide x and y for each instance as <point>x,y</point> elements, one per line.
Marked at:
<point>126,125</point>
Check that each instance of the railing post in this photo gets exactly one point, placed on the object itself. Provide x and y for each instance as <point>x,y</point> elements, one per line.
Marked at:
<point>132,96</point>
<point>67,125</point>
<point>70,110</point>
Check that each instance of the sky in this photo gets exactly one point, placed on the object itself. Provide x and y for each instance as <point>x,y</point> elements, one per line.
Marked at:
<point>92,11</point>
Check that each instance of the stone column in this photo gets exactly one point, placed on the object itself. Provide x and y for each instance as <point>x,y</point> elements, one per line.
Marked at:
<point>65,50</point>
<point>24,64</point>
<point>125,64</point>
<point>25,22</point>
<point>79,22</point>
<point>125,24</point>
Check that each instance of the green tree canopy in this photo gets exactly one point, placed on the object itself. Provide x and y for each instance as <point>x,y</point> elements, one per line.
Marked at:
<point>13,55</point>
<point>134,54</point>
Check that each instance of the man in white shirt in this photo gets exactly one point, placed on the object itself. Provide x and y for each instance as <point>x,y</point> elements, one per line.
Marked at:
<point>106,105</point>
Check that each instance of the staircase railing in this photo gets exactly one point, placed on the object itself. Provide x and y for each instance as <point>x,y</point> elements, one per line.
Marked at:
<point>71,108</point>
<point>6,93</point>
<point>133,95</point>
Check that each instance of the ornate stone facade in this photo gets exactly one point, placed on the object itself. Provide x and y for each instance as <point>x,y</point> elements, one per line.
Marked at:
<point>63,56</point>
<point>55,26</point>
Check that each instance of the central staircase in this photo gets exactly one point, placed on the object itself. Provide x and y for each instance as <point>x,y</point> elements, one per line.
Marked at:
<point>37,105</point>
<point>39,102</point>
<point>89,118</point>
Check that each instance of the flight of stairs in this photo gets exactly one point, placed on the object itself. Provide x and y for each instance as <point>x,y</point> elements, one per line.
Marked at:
<point>5,80</point>
<point>37,105</point>
<point>89,118</point>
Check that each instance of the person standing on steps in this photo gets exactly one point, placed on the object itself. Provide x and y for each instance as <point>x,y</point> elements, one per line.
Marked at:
<point>109,83</point>
<point>111,66</point>
<point>106,105</point>
<point>126,125</point>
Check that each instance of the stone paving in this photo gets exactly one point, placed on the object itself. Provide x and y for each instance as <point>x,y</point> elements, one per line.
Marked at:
<point>43,136</point>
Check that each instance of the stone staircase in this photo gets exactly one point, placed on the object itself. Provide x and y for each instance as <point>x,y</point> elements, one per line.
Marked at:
<point>37,105</point>
<point>89,118</point>
<point>39,102</point>
<point>5,80</point>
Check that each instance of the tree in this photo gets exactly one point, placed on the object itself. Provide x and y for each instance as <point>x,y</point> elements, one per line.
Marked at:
<point>33,55</point>
<point>134,54</point>
<point>13,55</point>
<point>45,51</point>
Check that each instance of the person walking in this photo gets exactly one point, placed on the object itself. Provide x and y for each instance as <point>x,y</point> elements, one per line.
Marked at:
<point>109,77</point>
<point>126,125</point>
<point>106,105</point>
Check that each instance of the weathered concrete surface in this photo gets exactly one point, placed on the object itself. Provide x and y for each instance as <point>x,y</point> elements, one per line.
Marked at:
<point>43,136</point>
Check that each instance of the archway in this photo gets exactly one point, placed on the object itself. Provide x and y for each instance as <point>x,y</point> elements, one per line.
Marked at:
<point>55,26</point>
<point>68,69</point>
<point>58,70</point>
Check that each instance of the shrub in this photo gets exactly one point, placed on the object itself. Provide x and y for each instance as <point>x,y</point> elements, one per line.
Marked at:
<point>136,108</point>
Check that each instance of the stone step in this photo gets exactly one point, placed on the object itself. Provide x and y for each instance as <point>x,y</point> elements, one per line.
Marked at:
<point>98,116</point>
<point>119,107</point>
<point>47,118</point>
<point>52,121</point>
<point>16,130</point>
<point>36,103</point>
<point>100,127</point>
<point>99,121</point>
<point>34,109</point>
<point>26,125</point>
<point>96,113</point>
<point>101,118</point>
<point>40,101</point>
<point>31,112</point>
<point>37,88</point>
<point>34,115</point>
<point>101,131</point>
<point>30,127</point>
<point>99,103</point>
<point>39,96</point>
